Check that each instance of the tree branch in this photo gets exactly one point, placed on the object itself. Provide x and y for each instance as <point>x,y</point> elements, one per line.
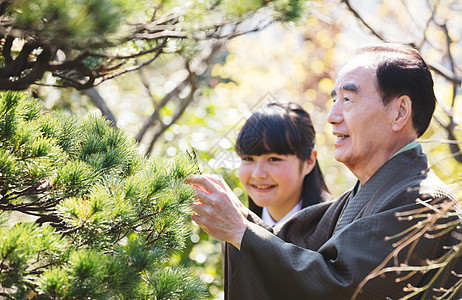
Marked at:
<point>16,66</point>
<point>178,112</point>
<point>96,98</point>
<point>155,115</point>
<point>356,14</point>
<point>35,74</point>
<point>90,68</point>
<point>193,82</point>
<point>7,49</point>
<point>455,149</point>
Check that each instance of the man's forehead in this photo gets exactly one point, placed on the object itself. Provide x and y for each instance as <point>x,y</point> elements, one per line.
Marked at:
<point>353,73</point>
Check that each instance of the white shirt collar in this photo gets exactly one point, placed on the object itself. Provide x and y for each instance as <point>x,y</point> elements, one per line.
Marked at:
<point>265,216</point>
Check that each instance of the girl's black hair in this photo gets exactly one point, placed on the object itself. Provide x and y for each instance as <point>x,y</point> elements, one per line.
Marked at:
<point>283,128</point>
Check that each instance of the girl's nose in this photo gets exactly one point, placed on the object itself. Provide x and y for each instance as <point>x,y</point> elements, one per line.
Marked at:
<point>259,171</point>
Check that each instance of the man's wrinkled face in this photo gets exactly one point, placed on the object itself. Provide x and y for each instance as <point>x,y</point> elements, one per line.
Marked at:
<point>358,116</point>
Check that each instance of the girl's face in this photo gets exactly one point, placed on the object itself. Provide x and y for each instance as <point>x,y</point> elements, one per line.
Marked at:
<point>275,180</point>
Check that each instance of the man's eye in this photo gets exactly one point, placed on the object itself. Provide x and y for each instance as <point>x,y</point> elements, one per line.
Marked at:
<point>346,99</point>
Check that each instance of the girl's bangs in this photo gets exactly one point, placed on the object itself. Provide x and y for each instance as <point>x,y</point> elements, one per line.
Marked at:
<point>257,138</point>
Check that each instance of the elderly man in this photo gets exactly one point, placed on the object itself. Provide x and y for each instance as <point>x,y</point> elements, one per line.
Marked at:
<point>383,101</point>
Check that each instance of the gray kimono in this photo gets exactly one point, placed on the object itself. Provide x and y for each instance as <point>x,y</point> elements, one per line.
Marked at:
<point>325,251</point>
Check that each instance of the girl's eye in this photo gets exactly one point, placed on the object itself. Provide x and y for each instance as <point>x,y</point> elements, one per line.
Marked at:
<point>274,159</point>
<point>246,158</point>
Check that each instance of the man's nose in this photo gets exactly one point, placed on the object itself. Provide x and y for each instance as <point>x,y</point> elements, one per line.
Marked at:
<point>335,115</point>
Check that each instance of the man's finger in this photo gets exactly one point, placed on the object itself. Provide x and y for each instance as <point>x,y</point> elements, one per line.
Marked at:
<point>201,194</point>
<point>203,181</point>
<point>217,179</point>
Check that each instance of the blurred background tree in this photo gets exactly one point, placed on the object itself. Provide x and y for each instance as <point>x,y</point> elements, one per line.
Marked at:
<point>197,92</point>
<point>81,44</point>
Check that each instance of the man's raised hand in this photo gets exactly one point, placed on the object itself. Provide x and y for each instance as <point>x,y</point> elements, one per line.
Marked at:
<point>217,210</point>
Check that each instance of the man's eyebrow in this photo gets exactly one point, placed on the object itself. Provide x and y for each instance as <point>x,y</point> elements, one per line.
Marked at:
<point>347,87</point>
<point>350,87</point>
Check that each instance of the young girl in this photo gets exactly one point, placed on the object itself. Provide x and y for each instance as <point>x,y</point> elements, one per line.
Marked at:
<point>279,169</point>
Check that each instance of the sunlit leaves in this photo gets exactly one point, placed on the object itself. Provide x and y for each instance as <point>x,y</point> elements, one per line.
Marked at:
<point>69,24</point>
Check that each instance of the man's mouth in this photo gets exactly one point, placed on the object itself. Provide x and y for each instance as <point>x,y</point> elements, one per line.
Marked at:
<point>341,136</point>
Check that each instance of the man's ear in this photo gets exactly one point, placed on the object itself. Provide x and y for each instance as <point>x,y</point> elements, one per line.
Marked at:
<point>402,113</point>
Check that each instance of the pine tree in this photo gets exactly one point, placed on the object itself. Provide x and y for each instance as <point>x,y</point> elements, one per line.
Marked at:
<point>83,43</point>
<point>103,221</point>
